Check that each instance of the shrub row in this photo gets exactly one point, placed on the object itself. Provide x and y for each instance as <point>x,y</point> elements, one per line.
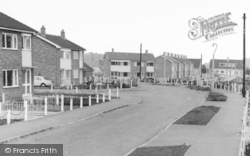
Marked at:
<point>216,96</point>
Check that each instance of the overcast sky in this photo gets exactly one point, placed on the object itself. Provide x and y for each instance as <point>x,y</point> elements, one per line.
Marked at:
<point>160,25</point>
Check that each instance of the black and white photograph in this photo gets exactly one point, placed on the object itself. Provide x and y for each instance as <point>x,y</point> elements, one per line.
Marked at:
<point>124,78</point>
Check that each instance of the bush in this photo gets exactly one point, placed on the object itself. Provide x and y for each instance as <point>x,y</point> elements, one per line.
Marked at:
<point>216,96</point>
<point>247,150</point>
<point>203,88</point>
<point>199,88</point>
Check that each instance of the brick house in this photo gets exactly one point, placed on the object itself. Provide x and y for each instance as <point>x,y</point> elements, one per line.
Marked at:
<point>127,65</point>
<point>173,66</point>
<point>167,67</point>
<point>186,65</point>
<point>227,67</point>
<point>16,64</point>
<point>58,59</point>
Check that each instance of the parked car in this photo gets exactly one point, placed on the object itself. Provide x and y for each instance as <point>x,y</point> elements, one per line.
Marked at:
<point>41,81</point>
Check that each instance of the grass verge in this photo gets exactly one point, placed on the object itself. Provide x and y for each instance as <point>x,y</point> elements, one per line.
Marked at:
<point>4,121</point>
<point>179,150</point>
<point>198,116</point>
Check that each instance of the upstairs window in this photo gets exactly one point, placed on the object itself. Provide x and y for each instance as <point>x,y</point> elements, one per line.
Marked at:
<point>114,63</point>
<point>26,42</point>
<point>150,64</point>
<point>81,55</point>
<point>138,64</point>
<point>125,63</point>
<point>9,41</point>
<point>75,55</point>
<point>67,54</point>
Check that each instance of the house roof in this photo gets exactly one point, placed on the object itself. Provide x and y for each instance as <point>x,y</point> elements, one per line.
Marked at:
<point>183,60</point>
<point>64,43</point>
<point>7,22</point>
<point>129,56</point>
<point>238,63</point>
<point>87,67</point>
<point>196,62</point>
<point>170,59</point>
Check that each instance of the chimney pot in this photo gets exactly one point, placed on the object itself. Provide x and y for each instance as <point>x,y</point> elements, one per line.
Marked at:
<point>63,34</point>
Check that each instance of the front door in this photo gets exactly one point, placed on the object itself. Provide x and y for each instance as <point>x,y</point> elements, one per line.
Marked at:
<point>27,83</point>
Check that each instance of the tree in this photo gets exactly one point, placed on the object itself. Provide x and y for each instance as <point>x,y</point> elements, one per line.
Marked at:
<point>204,69</point>
<point>248,71</point>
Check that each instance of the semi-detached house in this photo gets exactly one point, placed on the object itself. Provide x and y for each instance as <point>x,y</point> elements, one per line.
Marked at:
<point>127,65</point>
<point>227,67</point>
<point>173,66</point>
<point>16,63</point>
<point>58,59</point>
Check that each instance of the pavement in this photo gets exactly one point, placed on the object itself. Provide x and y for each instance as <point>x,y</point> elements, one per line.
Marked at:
<point>19,130</point>
<point>221,136</point>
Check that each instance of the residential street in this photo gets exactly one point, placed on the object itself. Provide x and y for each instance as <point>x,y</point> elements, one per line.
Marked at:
<point>118,132</point>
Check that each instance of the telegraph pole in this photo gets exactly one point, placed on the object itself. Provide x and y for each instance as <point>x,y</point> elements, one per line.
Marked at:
<point>201,66</point>
<point>244,56</point>
<point>140,58</point>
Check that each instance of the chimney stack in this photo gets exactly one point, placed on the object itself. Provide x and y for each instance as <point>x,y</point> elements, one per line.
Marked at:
<point>227,59</point>
<point>112,50</point>
<point>63,34</point>
<point>43,31</point>
<point>146,52</point>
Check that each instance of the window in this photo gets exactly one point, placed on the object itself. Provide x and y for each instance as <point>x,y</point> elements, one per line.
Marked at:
<point>9,41</point>
<point>222,72</point>
<point>115,63</point>
<point>151,64</point>
<point>75,73</point>
<point>75,55</point>
<point>125,63</point>
<point>150,74</point>
<point>67,54</point>
<point>125,74</point>
<point>26,42</point>
<point>138,64</point>
<point>68,74</point>
<point>115,75</point>
<point>231,65</point>
<point>138,74</point>
<point>81,55</point>
<point>10,78</point>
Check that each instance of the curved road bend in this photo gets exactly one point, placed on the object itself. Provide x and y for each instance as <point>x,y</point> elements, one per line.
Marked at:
<point>118,132</point>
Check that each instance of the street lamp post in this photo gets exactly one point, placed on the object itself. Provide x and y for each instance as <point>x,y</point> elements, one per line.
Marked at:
<point>244,56</point>
<point>214,44</point>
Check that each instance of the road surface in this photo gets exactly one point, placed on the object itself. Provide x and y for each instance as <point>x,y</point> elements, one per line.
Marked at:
<point>118,132</point>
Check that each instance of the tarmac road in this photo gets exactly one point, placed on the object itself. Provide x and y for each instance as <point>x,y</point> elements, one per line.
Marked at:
<point>118,132</point>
